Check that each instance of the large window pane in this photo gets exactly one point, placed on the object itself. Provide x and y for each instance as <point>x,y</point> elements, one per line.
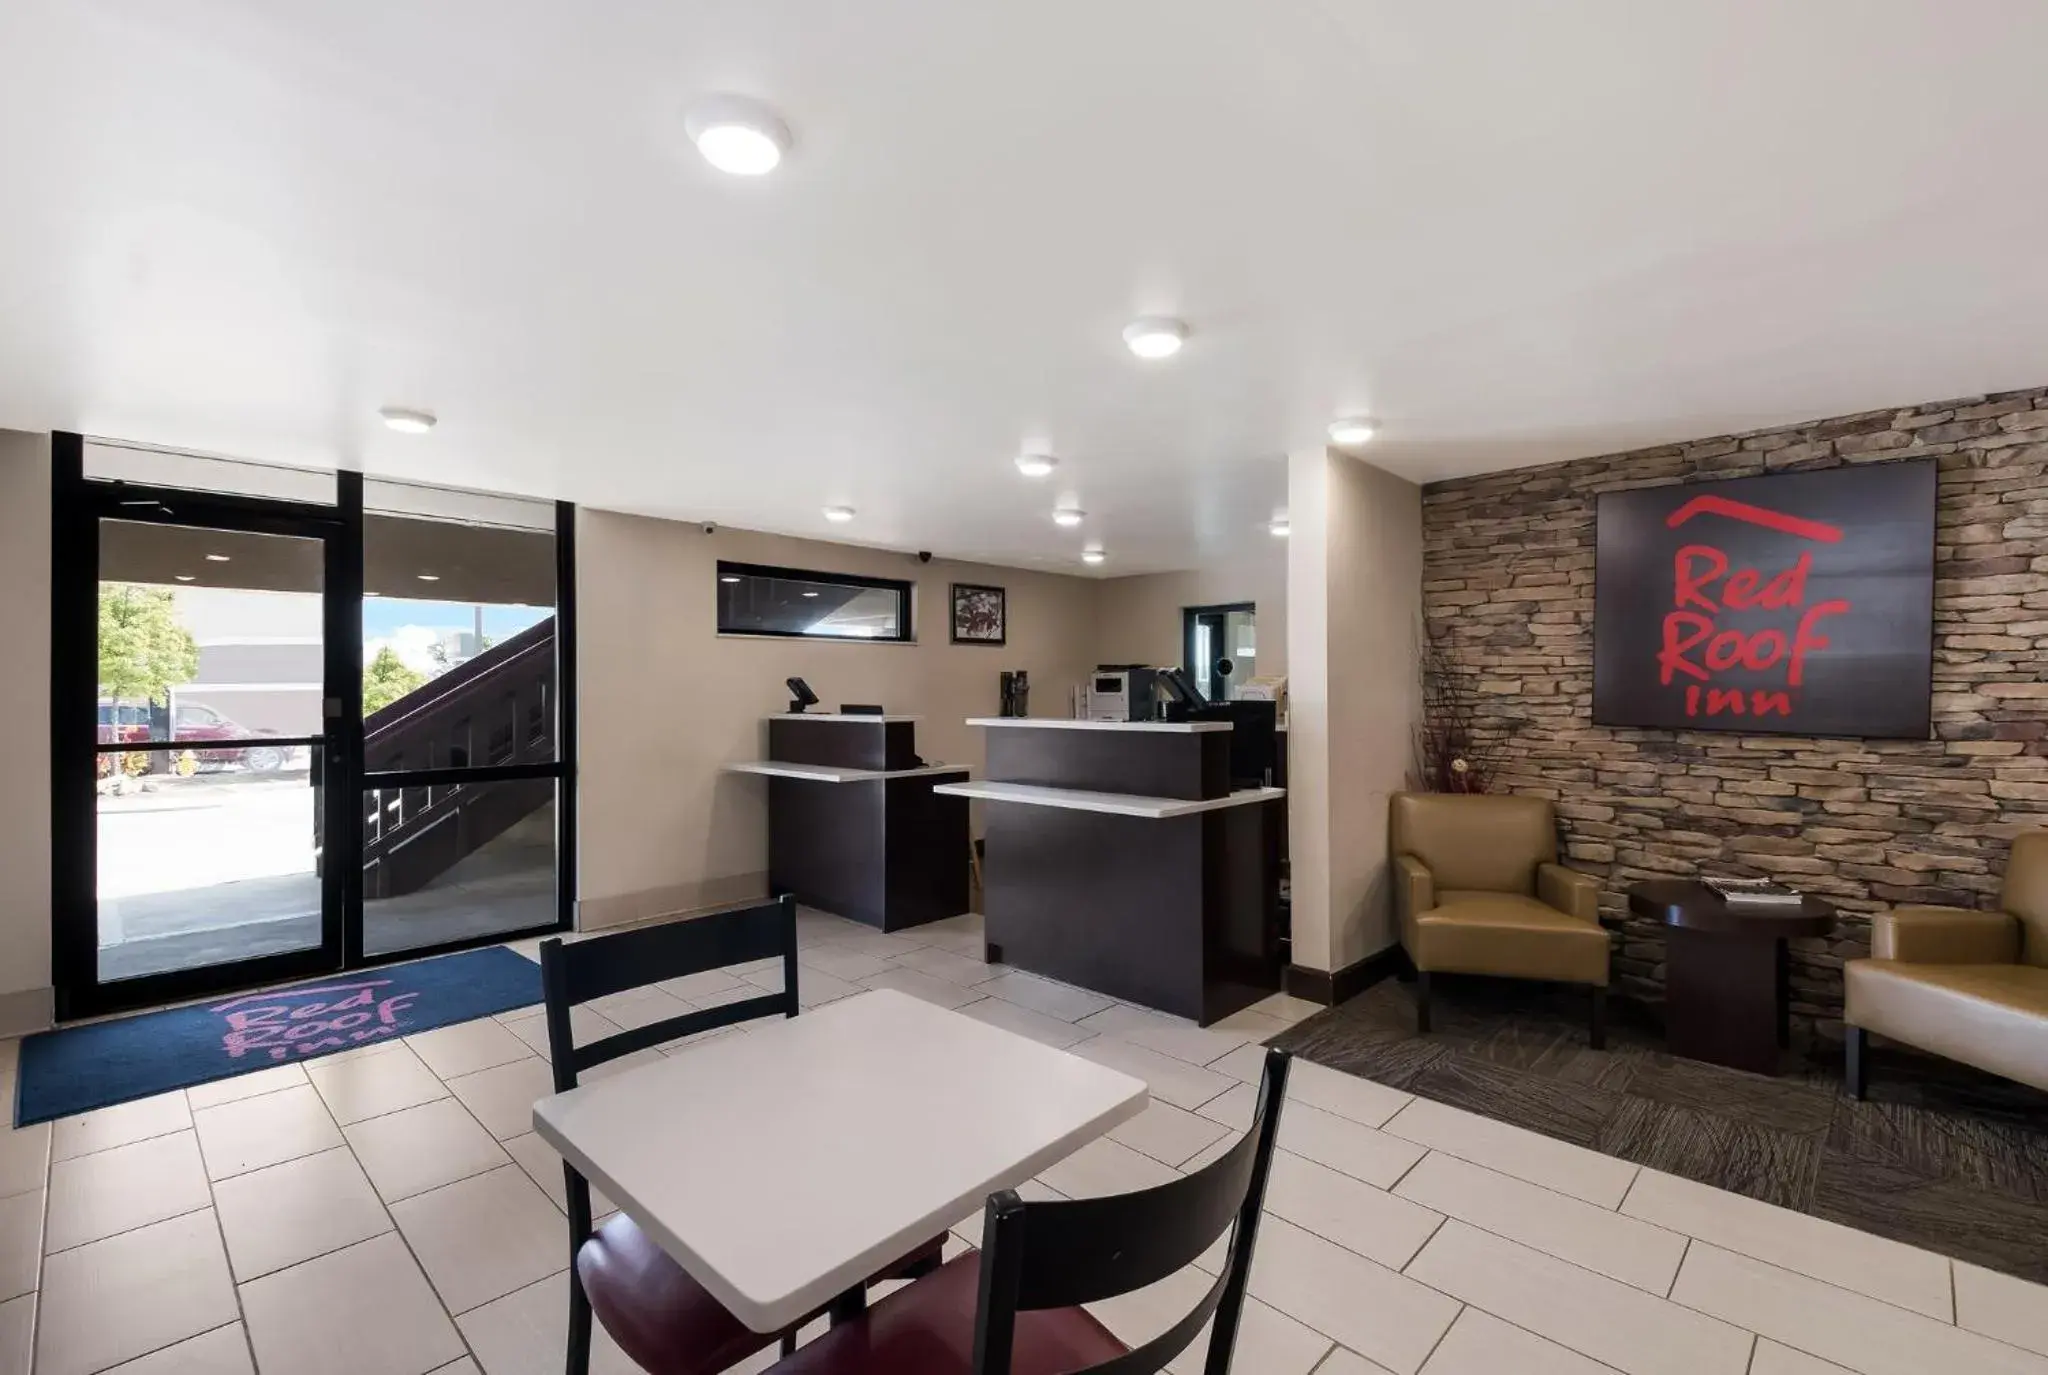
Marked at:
<point>454,862</point>
<point>753,600</point>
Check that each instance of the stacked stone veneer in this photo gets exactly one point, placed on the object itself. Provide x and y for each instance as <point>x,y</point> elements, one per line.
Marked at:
<point>1508,577</point>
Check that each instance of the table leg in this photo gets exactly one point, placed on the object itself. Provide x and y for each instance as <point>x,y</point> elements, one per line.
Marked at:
<point>1722,998</point>
<point>848,1306</point>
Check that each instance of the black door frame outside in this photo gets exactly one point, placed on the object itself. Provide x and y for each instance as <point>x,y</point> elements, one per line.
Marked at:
<point>77,507</point>
<point>1188,617</point>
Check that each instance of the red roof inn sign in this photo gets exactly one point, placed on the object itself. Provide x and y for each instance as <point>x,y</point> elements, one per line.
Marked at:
<point>1799,604</point>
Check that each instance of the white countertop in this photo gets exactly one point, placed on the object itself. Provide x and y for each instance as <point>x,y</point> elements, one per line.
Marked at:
<point>1064,723</point>
<point>856,718</point>
<point>828,773</point>
<point>783,1166</point>
<point>1116,804</point>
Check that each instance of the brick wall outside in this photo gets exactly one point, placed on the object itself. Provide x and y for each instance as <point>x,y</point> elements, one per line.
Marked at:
<point>1508,575</point>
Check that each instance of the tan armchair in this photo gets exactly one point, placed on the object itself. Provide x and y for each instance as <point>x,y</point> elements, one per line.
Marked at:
<point>1478,890</point>
<point>1964,984</point>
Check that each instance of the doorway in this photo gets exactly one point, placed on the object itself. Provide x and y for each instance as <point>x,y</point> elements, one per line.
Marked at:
<point>241,793</point>
<point>1220,648</point>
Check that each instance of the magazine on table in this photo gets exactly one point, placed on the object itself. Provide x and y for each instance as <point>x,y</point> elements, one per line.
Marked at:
<point>1754,892</point>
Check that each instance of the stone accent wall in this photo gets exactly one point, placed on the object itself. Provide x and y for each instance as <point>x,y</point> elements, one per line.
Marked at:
<point>1508,577</point>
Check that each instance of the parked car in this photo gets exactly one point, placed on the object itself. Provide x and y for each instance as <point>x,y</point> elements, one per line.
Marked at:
<point>141,722</point>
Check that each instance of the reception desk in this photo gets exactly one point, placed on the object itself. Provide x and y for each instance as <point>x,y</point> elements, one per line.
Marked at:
<point>1119,858</point>
<point>855,823</point>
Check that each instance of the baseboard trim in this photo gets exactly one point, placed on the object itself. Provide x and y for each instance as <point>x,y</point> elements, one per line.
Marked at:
<point>1329,989</point>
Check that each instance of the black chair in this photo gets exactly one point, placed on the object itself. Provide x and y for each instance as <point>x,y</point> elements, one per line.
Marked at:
<point>660,1317</point>
<point>1014,1307</point>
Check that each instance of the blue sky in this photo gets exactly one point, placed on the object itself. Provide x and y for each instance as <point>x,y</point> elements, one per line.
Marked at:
<point>385,616</point>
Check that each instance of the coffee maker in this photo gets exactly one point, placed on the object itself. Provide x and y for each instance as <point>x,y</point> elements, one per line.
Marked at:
<point>1016,692</point>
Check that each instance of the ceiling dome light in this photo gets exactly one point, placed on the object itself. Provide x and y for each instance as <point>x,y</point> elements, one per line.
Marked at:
<point>1279,528</point>
<point>1036,465</point>
<point>737,134</point>
<point>1155,336</point>
<point>428,577</point>
<point>1068,516</point>
<point>1351,431</point>
<point>839,515</point>
<point>406,421</point>
<point>217,558</point>
<point>1093,556</point>
<point>183,577</point>
<point>730,578</point>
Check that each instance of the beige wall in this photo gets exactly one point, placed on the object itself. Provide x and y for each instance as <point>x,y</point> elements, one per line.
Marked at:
<point>1138,620</point>
<point>1355,594</point>
<point>25,1000</point>
<point>664,701</point>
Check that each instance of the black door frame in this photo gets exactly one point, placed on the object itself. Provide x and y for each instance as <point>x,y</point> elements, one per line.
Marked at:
<point>77,507</point>
<point>1188,617</point>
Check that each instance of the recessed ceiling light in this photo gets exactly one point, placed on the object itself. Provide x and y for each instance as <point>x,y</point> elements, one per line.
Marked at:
<point>1352,430</point>
<point>1278,527</point>
<point>810,594</point>
<point>182,577</point>
<point>1093,556</point>
<point>1036,465</point>
<point>1068,516</point>
<point>839,515</point>
<point>216,558</point>
<point>737,134</point>
<point>428,577</point>
<point>1155,336</point>
<point>729,578</point>
<point>407,421</point>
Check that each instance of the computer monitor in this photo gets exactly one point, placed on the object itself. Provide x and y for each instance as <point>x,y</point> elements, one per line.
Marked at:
<point>1182,688</point>
<point>800,695</point>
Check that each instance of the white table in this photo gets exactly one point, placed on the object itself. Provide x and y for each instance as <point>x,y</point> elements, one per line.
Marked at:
<point>782,1167</point>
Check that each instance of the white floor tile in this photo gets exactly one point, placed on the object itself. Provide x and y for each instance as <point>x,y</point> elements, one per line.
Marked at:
<point>295,1211</point>
<point>638,1007</point>
<point>1260,1026</point>
<point>814,987</point>
<point>691,987</point>
<point>124,1297</point>
<point>502,1098</point>
<point>882,945</point>
<point>840,961</point>
<point>2012,1310</point>
<point>1386,1317</point>
<point>543,1165</point>
<point>247,1135</point>
<point>1268,1341</point>
<point>21,1244</point>
<point>483,1238</point>
<point>967,970</point>
<point>1059,1000</point>
<point>1103,1167</point>
<point>223,1351</point>
<point>1773,1359</point>
<point>1183,1040</point>
<point>364,1310</point>
<point>1169,1134</point>
<point>969,945</point>
<point>1354,1214</point>
<point>465,1366</point>
<point>1172,1081</point>
<point>24,1158</point>
<point>236,1087</point>
<point>1526,1155</point>
<point>1556,1224</point>
<point>527,1333</point>
<point>467,1047</point>
<point>1015,1017</point>
<point>941,992</point>
<point>1836,1325</point>
<point>1340,1143</point>
<point>357,1090</point>
<point>585,1026</point>
<point>17,1335</point>
<point>117,1126</point>
<point>1888,1270</point>
<point>1591,1314</point>
<point>118,1190</point>
<point>1287,1008</point>
<point>1342,1362</point>
<point>1481,1344</point>
<point>423,1148</point>
<point>1346,1095</point>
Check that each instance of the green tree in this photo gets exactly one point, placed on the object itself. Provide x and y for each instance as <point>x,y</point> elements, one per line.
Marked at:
<point>143,650</point>
<point>386,679</point>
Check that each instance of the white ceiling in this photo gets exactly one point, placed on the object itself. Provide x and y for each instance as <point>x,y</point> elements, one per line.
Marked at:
<point>1514,232</point>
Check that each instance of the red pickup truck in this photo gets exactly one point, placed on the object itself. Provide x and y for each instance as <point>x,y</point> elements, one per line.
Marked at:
<point>140,723</point>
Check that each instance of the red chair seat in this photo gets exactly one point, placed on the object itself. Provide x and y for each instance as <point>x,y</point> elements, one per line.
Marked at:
<point>927,1328</point>
<point>659,1316</point>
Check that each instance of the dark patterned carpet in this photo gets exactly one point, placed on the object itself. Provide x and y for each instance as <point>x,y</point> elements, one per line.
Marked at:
<point>1939,1156</point>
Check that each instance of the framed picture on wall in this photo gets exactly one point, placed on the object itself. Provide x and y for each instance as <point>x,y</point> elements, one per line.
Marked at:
<point>980,615</point>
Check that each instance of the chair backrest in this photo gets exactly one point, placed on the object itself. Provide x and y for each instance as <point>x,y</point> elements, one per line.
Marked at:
<point>1060,1253</point>
<point>2025,894</point>
<point>602,965</point>
<point>1475,841</point>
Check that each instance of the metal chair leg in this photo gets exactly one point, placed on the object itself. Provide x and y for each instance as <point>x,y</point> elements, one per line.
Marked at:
<point>1855,1061</point>
<point>579,1326</point>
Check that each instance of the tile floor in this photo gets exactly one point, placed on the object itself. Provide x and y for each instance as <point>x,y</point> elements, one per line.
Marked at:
<point>390,1212</point>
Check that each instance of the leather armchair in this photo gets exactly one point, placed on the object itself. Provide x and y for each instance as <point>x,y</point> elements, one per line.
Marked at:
<point>1967,985</point>
<point>1478,890</point>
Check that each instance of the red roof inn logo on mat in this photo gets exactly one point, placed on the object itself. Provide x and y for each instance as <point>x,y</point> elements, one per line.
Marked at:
<point>1800,603</point>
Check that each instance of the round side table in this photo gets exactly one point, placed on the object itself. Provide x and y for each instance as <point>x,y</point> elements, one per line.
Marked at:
<point>1726,973</point>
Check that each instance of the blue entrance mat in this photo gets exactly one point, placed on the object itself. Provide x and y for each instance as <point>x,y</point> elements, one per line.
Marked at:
<point>78,1069</point>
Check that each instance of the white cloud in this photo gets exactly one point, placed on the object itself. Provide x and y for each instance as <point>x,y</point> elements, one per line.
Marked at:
<point>413,644</point>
